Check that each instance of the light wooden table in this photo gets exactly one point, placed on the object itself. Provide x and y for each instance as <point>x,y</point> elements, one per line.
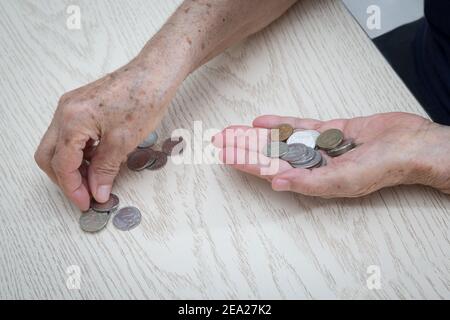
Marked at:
<point>208,231</point>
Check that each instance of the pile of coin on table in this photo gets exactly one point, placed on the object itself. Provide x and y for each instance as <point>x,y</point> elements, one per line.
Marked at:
<point>301,147</point>
<point>146,157</point>
<point>127,218</point>
<point>97,218</point>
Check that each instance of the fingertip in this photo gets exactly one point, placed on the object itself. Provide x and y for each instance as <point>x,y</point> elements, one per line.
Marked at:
<point>217,140</point>
<point>265,121</point>
<point>81,198</point>
<point>102,193</point>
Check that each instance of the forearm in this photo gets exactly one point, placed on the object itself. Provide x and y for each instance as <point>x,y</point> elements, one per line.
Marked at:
<point>199,30</point>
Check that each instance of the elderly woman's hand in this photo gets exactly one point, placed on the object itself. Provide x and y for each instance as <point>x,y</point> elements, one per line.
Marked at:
<point>393,149</point>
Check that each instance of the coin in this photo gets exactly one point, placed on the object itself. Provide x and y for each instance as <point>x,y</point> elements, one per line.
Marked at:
<point>317,159</point>
<point>307,137</point>
<point>139,159</point>
<point>93,221</point>
<point>281,133</point>
<point>110,205</point>
<point>275,149</point>
<point>160,161</point>
<point>127,218</point>
<point>295,152</point>
<point>173,146</point>
<point>344,147</point>
<point>149,141</point>
<point>305,157</point>
<point>330,139</point>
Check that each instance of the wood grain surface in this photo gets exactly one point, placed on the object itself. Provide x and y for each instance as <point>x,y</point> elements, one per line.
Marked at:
<point>208,231</point>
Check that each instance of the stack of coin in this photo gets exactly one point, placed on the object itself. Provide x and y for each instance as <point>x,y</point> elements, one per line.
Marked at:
<point>332,141</point>
<point>97,218</point>
<point>146,157</point>
<point>98,215</point>
<point>300,147</point>
<point>298,155</point>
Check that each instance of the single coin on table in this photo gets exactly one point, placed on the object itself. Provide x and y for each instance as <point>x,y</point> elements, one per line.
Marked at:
<point>173,146</point>
<point>93,221</point>
<point>330,139</point>
<point>149,141</point>
<point>275,149</point>
<point>344,147</point>
<point>140,159</point>
<point>307,137</point>
<point>281,133</point>
<point>108,206</point>
<point>160,162</point>
<point>127,218</point>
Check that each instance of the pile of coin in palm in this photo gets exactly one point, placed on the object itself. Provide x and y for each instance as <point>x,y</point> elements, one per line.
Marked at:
<point>147,157</point>
<point>301,148</point>
<point>98,216</point>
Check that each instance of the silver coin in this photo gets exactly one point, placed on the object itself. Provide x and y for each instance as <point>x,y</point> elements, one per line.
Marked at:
<point>344,147</point>
<point>127,218</point>
<point>295,152</point>
<point>276,149</point>
<point>307,137</point>
<point>93,221</point>
<point>149,141</point>
<point>311,164</point>
<point>305,157</point>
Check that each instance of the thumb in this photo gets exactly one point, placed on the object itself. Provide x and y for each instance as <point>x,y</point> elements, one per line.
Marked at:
<point>324,182</point>
<point>104,167</point>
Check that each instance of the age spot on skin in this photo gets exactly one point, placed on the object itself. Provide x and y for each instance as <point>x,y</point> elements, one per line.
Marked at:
<point>187,10</point>
<point>129,117</point>
<point>188,40</point>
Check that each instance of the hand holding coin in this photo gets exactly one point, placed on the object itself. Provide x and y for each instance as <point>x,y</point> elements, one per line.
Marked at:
<point>362,154</point>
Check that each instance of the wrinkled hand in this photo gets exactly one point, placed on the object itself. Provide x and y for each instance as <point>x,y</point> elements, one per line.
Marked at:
<point>393,149</point>
<point>118,110</point>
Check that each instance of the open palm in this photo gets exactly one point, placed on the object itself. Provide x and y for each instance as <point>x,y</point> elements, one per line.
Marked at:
<point>389,149</point>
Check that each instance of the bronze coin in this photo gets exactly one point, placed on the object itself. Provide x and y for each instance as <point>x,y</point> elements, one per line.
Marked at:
<point>139,159</point>
<point>110,205</point>
<point>173,146</point>
<point>161,161</point>
<point>281,133</point>
<point>330,139</point>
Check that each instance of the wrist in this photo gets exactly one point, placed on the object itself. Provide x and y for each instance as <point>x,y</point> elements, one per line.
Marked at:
<point>430,163</point>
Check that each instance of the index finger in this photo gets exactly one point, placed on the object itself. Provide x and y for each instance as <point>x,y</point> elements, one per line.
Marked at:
<point>66,163</point>
<point>272,121</point>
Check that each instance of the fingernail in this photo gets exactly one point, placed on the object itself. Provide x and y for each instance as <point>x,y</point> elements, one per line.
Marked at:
<point>102,194</point>
<point>281,185</point>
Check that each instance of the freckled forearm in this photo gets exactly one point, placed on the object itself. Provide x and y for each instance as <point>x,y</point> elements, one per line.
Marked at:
<point>201,29</point>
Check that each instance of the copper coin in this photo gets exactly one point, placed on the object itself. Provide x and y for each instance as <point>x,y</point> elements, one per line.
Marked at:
<point>108,206</point>
<point>161,161</point>
<point>281,133</point>
<point>139,159</point>
<point>173,146</point>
